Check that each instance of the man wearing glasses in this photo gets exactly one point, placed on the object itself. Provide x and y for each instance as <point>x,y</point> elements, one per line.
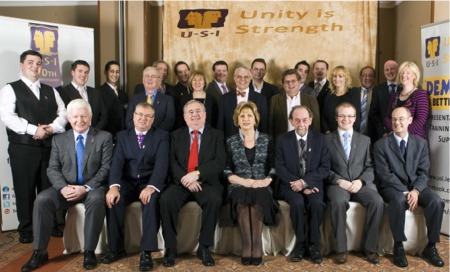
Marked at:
<point>162,104</point>
<point>138,171</point>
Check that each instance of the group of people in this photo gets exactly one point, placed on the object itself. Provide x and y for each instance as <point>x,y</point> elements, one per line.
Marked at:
<point>306,144</point>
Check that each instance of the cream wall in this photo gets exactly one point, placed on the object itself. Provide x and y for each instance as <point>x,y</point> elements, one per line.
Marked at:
<point>441,10</point>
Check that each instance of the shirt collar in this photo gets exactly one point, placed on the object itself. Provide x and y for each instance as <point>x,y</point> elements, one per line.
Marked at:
<point>77,86</point>
<point>341,132</point>
<point>322,82</point>
<point>201,130</point>
<point>304,137</point>
<point>398,139</point>
<point>143,132</point>
<point>29,83</point>
<point>84,134</point>
<point>154,92</point>
<point>112,87</point>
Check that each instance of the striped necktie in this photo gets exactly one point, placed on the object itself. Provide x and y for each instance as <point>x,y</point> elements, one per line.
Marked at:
<point>363,111</point>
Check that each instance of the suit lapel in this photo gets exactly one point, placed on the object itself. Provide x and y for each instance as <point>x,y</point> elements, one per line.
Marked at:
<point>185,143</point>
<point>71,150</point>
<point>73,93</point>
<point>145,144</point>
<point>88,147</point>
<point>204,144</point>
<point>395,148</point>
<point>337,143</point>
<point>283,108</point>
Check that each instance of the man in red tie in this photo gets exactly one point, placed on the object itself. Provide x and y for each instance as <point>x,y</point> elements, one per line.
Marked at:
<point>197,157</point>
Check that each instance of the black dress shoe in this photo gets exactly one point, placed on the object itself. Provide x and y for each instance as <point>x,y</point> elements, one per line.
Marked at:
<point>256,261</point>
<point>400,257</point>
<point>246,260</point>
<point>432,256</point>
<point>39,258</point>
<point>26,238</point>
<point>315,255</point>
<point>169,257</point>
<point>113,256</point>
<point>298,252</point>
<point>341,257</point>
<point>56,232</point>
<point>204,255</point>
<point>146,262</point>
<point>90,260</point>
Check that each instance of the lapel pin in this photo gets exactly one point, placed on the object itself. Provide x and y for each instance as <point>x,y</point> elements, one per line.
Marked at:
<point>309,150</point>
<point>143,146</point>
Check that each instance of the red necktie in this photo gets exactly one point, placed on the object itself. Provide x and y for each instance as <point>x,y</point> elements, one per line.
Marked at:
<point>193,154</point>
<point>239,93</point>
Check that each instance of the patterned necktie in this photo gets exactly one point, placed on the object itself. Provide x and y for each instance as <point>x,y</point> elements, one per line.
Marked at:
<point>224,89</point>
<point>317,87</point>
<point>140,139</point>
<point>403,148</point>
<point>363,111</point>
<point>391,89</point>
<point>79,154</point>
<point>346,136</point>
<point>302,158</point>
<point>239,93</point>
<point>193,154</point>
<point>149,98</point>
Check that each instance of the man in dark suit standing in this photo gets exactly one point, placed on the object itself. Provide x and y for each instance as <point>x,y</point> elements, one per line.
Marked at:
<point>302,162</point>
<point>258,70</point>
<point>281,104</point>
<point>114,98</point>
<point>138,171</point>
<point>218,86</point>
<point>380,99</point>
<point>78,89</point>
<point>320,84</point>
<point>302,68</point>
<point>163,104</point>
<point>78,170</point>
<point>183,73</point>
<point>402,163</point>
<point>197,157</point>
<point>229,101</point>
<point>367,79</point>
<point>351,179</point>
<point>32,113</point>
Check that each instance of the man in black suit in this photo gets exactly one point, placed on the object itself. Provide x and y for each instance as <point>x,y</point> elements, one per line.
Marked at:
<point>229,101</point>
<point>320,84</point>
<point>114,98</point>
<point>78,170</point>
<point>197,157</point>
<point>183,73</point>
<point>380,99</point>
<point>138,171</point>
<point>163,104</point>
<point>218,86</point>
<point>402,162</point>
<point>163,69</point>
<point>78,89</point>
<point>367,79</point>
<point>302,68</point>
<point>30,130</point>
<point>302,162</point>
<point>258,70</point>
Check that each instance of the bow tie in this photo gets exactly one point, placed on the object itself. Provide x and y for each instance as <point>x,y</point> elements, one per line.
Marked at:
<point>238,93</point>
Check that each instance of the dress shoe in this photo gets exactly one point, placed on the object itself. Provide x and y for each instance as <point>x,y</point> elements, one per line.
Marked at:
<point>256,261</point>
<point>146,262</point>
<point>90,260</point>
<point>315,255</point>
<point>298,252</point>
<point>113,256</point>
<point>400,257</point>
<point>246,260</point>
<point>204,255</point>
<point>56,232</point>
<point>26,238</point>
<point>341,258</point>
<point>432,256</point>
<point>169,257</point>
<point>372,257</point>
<point>39,258</point>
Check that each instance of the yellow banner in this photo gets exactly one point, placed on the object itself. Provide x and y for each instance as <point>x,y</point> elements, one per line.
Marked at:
<point>282,32</point>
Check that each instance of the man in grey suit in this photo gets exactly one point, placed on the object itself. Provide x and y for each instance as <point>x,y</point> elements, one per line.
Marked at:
<point>402,162</point>
<point>351,179</point>
<point>78,170</point>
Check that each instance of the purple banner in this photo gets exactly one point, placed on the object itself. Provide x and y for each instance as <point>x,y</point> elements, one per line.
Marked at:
<point>44,39</point>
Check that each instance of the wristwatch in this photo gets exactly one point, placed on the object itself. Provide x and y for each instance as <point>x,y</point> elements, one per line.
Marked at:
<point>197,172</point>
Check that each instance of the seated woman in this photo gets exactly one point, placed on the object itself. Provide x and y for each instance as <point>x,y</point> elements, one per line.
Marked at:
<point>197,87</point>
<point>340,92</point>
<point>412,98</point>
<point>250,170</point>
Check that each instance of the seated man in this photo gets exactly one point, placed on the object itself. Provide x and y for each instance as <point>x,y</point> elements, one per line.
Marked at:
<point>138,171</point>
<point>197,157</point>
<point>351,179</point>
<point>78,171</point>
<point>402,162</point>
<point>302,162</point>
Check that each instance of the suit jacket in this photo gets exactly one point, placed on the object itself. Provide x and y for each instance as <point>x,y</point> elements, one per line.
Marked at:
<point>164,110</point>
<point>62,169</point>
<point>147,165</point>
<point>177,93</point>
<point>287,163</point>
<point>278,119</point>
<point>268,90</point>
<point>359,164</point>
<point>322,94</point>
<point>308,90</point>
<point>214,90</point>
<point>211,156</point>
<point>227,106</point>
<point>378,109</point>
<point>370,130</point>
<point>95,97</point>
<point>393,171</point>
<point>115,105</point>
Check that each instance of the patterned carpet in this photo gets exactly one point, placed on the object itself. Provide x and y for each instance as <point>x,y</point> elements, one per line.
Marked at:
<point>13,255</point>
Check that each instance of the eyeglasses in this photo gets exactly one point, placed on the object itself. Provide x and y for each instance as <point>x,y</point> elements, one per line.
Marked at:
<point>151,76</point>
<point>243,77</point>
<point>192,112</point>
<point>346,116</point>
<point>141,115</point>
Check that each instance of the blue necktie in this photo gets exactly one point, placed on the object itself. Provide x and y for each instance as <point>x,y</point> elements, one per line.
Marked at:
<point>80,151</point>
<point>346,136</point>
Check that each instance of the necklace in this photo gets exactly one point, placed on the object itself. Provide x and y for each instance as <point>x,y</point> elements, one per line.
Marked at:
<point>407,94</point>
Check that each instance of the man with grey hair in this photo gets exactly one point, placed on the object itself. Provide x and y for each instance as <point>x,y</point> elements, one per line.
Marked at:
<point>163,69</point>
<point>78,170</point>
<point>229,101</point>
